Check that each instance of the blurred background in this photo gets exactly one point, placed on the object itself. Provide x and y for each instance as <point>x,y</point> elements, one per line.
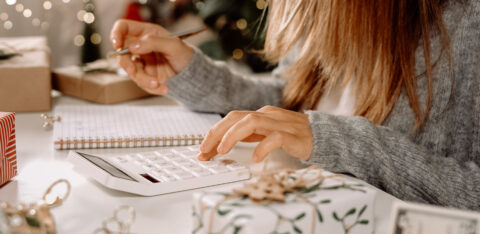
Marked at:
<point>78,30</point>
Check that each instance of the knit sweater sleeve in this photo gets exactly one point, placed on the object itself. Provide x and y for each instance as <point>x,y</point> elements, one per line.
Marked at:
<point>210,86</point>
<point>439,164</point>
<point>393,162</point>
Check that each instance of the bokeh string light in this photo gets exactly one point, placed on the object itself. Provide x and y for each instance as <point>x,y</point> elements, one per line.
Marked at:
<point>34,17</point>
<point>47,5</point>
<point>19,7</point>
<point>38,19</point>
<point>87,16</point>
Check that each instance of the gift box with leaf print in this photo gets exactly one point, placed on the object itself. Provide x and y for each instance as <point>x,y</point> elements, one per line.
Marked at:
<point>330,204</point>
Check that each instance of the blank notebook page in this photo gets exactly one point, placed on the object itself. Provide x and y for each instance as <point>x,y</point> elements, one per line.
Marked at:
<point>129,126</point>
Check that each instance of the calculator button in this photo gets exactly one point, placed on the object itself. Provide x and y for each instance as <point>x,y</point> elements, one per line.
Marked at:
<point>208,163</point>
<point>202,172</point>
<point>183,161</point>
<point>150,156</point>
<point>236,167</point>
<point>192,160</point>
<point>198,169</point>
<point>187,164</point>
<point>168,155</point>
<point>128,157</point>
<point>177,162</point>
<point>148,161</point>
<point>180,151</point>
<point>218,170</point>
<point>231,163</point>
<point>168,178</point>
<point>121,159</point>
<point>139,161</point>
<point>139,156</point>
<point>169,159</point>
<point>159,160</point>
<point>194,148</point>
<point>159,173</point>
<point>148,167</point>
<point>178,158</point>
<point>169,167</point>
<point>162,165</point>
<point>190,154</point>
<point>173,170</point>
<point>183,175</point>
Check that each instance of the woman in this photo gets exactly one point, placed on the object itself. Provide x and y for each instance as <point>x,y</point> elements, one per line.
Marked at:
<point>391,89</point>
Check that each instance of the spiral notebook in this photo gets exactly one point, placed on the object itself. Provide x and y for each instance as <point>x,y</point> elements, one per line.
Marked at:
<point>84,127</point>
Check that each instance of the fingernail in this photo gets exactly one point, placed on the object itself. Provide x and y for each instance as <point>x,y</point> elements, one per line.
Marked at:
<point>221,149</point>
<point>136,45</point>
<point>257,158</point>
<point>254,157</point>
<point>153,84</point>
<point>130,70</point>
<point>201,157</point>
<point>164,90</point>
<point>202,148</point>
<point>114,41</point>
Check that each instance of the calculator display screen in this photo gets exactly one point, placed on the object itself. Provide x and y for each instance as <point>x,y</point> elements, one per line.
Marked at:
<point>106,166</point>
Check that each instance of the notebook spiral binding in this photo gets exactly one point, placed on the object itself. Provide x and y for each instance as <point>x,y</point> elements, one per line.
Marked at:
<point>127,142</point>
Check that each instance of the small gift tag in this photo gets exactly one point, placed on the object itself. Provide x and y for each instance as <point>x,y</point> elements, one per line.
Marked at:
<point>426,219</point>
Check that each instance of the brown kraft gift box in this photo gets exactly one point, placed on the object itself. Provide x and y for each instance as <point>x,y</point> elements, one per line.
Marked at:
<point>25,80</point>
<point>104,87</point>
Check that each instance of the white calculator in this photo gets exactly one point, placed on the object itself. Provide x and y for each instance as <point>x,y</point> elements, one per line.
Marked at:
<point>158,172</point>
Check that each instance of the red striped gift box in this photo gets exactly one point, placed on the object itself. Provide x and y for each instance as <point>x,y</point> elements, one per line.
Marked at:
<point>8,154</point>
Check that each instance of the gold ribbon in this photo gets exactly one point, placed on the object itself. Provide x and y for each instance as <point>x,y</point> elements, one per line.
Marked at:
<point>122,224</point>
<point>20,48</point>
<point>35,218</point>
<point>48,120</point>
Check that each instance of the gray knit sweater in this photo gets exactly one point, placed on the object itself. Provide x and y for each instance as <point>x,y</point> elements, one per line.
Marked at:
<point>438,165</point>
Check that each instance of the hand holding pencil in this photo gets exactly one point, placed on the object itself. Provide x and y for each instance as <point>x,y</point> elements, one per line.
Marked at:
<point>161,55</point>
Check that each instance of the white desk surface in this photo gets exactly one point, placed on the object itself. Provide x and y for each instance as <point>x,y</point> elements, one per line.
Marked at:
<point>90,203</point>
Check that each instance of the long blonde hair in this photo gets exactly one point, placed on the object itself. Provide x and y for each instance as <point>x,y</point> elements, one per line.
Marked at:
<point>373,42</point>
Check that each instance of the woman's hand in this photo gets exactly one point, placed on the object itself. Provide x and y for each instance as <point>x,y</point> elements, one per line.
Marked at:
<point>272,126</point>
<point>160,56</point>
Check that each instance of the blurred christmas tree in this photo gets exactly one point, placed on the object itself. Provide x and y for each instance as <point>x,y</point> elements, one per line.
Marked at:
<point>239,24</point>
<point>91,46</point>
<point>163,12</point>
